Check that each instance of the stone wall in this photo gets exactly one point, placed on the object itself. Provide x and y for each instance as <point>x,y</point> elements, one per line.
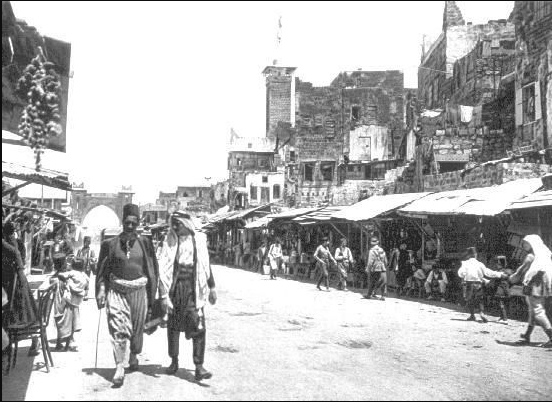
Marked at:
<point>351,191</point>
<point>484,176</point>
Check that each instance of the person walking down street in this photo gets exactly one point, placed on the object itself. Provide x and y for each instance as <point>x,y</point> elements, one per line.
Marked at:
<point>126,285</point>
<point>275,257</point>
<point>404,269</point>
<point>71,286</point>
<point>473,274</point>
<point>501,288</point>
<point>261,256</point>
<point>345,261</point>
<point>436,281</point>
<point>88,258</point>
<point>186,282</point>
<point>323,258</point>
<point>376,269</point>
<point>536,276</point>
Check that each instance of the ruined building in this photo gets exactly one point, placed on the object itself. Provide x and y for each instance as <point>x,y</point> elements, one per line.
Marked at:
<point>336,141</point>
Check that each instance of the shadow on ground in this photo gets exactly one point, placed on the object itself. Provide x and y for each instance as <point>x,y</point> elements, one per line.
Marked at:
<point>151,370</point>
<point>15,385</point>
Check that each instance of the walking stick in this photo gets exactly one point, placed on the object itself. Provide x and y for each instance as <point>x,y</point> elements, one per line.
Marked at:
<point>97,338</point>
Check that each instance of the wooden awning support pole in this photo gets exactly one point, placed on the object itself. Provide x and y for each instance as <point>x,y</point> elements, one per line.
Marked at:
<point>14,189</point>
<point>337,230</point>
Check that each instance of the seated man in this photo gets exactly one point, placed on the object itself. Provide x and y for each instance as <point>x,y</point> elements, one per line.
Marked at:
<point>436,282</point>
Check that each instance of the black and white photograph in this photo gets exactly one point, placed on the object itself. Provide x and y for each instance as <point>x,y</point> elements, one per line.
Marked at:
<point>276,200</point>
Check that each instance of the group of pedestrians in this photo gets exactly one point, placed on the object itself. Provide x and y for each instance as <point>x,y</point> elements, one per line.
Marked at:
<point>129,277</point>
<point>535,274</point>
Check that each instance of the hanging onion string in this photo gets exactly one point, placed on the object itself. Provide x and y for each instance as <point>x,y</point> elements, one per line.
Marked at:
<point>41,119</point>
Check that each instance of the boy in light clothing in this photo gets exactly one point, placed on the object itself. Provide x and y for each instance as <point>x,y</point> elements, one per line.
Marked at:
<point>473,274</point>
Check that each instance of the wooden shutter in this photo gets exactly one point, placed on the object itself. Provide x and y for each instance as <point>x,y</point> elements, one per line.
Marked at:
<point>538,111</point>
<point>519,107</point>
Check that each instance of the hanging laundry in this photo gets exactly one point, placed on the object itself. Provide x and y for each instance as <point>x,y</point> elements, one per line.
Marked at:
<point>410,145</point>
<point>466,113</point>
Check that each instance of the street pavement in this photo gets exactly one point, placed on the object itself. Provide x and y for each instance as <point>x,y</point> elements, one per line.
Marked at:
<point>284,339</point>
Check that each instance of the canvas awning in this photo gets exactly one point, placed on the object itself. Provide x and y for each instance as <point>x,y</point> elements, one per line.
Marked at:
<point>292,213</point>
<point>536,200</point>
<point>45,177</point>
<point>259,223</point>
<point>321,215</point>
<point>481,201</point>
<point>246,212</point>
<point>376,205</point>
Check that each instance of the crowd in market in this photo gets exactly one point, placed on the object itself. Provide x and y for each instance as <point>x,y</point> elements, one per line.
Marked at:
<point>275,253</point>
<point>478,280</point>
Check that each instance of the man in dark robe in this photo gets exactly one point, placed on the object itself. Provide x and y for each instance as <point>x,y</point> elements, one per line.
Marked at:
<point>126,284</point>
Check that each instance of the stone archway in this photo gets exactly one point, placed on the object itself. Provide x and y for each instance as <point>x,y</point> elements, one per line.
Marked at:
<point>83,202</point>
<point>101,216</point>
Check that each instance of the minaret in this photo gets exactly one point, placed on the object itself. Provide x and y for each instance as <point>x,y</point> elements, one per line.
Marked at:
<point>280,90</point>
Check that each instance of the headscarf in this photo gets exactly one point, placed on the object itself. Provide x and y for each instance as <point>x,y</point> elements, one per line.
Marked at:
<point>541,263</point>
<point>168,254</point>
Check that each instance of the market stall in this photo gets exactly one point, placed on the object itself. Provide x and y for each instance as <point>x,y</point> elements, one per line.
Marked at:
<point>451,221</point>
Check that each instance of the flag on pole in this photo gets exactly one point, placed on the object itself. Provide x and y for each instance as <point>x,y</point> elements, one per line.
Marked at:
<point>279,35</point>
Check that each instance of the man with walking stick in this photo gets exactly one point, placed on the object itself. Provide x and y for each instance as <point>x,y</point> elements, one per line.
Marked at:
<point>126,285</point>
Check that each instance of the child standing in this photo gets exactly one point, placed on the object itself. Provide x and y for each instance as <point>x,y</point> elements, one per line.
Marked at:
<point>502,287</point>
<point>72,285</point>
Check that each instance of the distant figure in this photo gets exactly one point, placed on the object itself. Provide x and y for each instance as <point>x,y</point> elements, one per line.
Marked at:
<point>376,269</point>
<point>275,257</point>
<point>88,258</point>
<point>345,261</point>
<point>436,282</point>
<point>536,276</point>
<point>403,270</point>
<point>261,256</point>
<point>501,288</point>
<point>473,274</point>
<point>323,257</point>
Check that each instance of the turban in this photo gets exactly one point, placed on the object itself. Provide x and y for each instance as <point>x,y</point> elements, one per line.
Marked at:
<point>131,209</point>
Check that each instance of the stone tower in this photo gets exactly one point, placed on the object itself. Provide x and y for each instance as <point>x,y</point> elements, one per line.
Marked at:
<point>280,97</point>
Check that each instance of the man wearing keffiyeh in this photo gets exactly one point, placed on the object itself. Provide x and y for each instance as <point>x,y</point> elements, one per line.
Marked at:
<point>185,283</point>
<point>126,284</point>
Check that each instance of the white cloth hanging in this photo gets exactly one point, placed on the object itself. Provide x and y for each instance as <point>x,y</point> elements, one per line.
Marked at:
<point>466,113</point>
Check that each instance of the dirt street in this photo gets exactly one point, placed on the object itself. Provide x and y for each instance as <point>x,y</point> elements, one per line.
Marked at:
<point>284,339</point>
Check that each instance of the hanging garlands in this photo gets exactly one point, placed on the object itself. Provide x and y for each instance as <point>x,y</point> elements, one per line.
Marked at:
<point>41,118</point>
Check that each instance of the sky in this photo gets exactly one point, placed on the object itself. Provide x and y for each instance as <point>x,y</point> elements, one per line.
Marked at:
<point>157,86</point>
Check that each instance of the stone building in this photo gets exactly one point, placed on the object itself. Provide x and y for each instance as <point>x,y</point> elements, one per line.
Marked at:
<point>479,101</point>
<point>357,120</point>
<point>456,40</point>
<point>195,199</point>
<point>250,160</point>
<point>169,200</point>
<point>533,84</point>
<point>219,195</point>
